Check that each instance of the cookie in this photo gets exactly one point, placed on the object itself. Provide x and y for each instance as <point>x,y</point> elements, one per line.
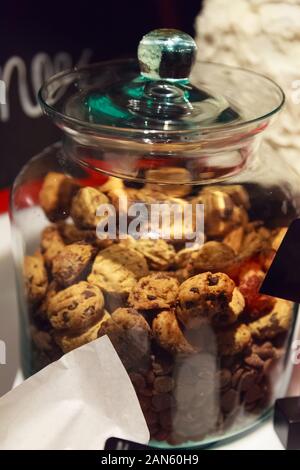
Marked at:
<point>234,340</point>
<point>56,195</point>
<point>238,194</point>
<point>84,207</point>
<point>130,335</point>
<point>35,277</point>
<point>168,335</point>
<point>156,291</point>
<point>256,240</point>
<point>209,297</point>
<point>276,322</point>
<point>116,270</point>
<point>212,256</point>
<point>76,307</point>
<point>173,181</point>
<point>68,341</point>
<point>73,263</point>
<point>51,243</point>
<point>221,212</point>
<point>159,254</point>
<point>71,234</point>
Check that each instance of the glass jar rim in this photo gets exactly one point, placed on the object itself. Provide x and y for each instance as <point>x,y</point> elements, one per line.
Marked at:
<point>69,122</point>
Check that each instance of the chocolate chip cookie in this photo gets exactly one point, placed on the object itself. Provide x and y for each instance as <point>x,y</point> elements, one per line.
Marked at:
<point>156,291</point>
<point>73,263</point>
<point>209,297</point>
<point>56,195</point>
<point>76,307</point>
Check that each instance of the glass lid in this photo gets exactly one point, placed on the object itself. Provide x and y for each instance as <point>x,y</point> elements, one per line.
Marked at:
<point>165,90</point>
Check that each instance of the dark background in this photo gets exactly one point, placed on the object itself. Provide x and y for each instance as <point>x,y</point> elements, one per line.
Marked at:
<point>108,29</point>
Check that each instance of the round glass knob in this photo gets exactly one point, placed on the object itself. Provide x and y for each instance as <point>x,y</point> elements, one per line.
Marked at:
<point>166,54</point>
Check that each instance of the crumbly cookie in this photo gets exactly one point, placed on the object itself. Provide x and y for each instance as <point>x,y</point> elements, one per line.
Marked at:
<point>276,322</point>
<point>159,254</point>
<point>76,307</point>
<point>221,213</point>
<point>156,291</point>
<point>175,182</point>
<point>72,263</point>
<point>234,340</point>
<point>84,207</point>
<point>68,341</point>
<point>51,243</point>
<point>116,270</point>
<point>130,334</point>
<point>167,333</point>
<point>56,195</point>
<point>209,297</point>
<point>36,279</point>
<point>212,256</point>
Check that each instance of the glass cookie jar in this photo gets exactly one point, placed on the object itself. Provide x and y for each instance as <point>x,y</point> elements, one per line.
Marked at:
<point>154,222</point>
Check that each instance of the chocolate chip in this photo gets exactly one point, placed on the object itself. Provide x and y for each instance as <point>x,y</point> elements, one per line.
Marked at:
<point>65,317</point>
<point>195,290</point>
<point>211,297</point>
<point>229,400</point>
<point>87,294</point>
<point>90,310</point>
<point>73,305</point>
<point>222,297</point>
<point>151,297</point>
<point>163,384</point>
<point>212,280</point>
<point>189,305</point>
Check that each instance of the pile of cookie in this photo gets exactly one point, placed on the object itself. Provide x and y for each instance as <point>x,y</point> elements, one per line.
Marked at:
<point>203,348</point>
